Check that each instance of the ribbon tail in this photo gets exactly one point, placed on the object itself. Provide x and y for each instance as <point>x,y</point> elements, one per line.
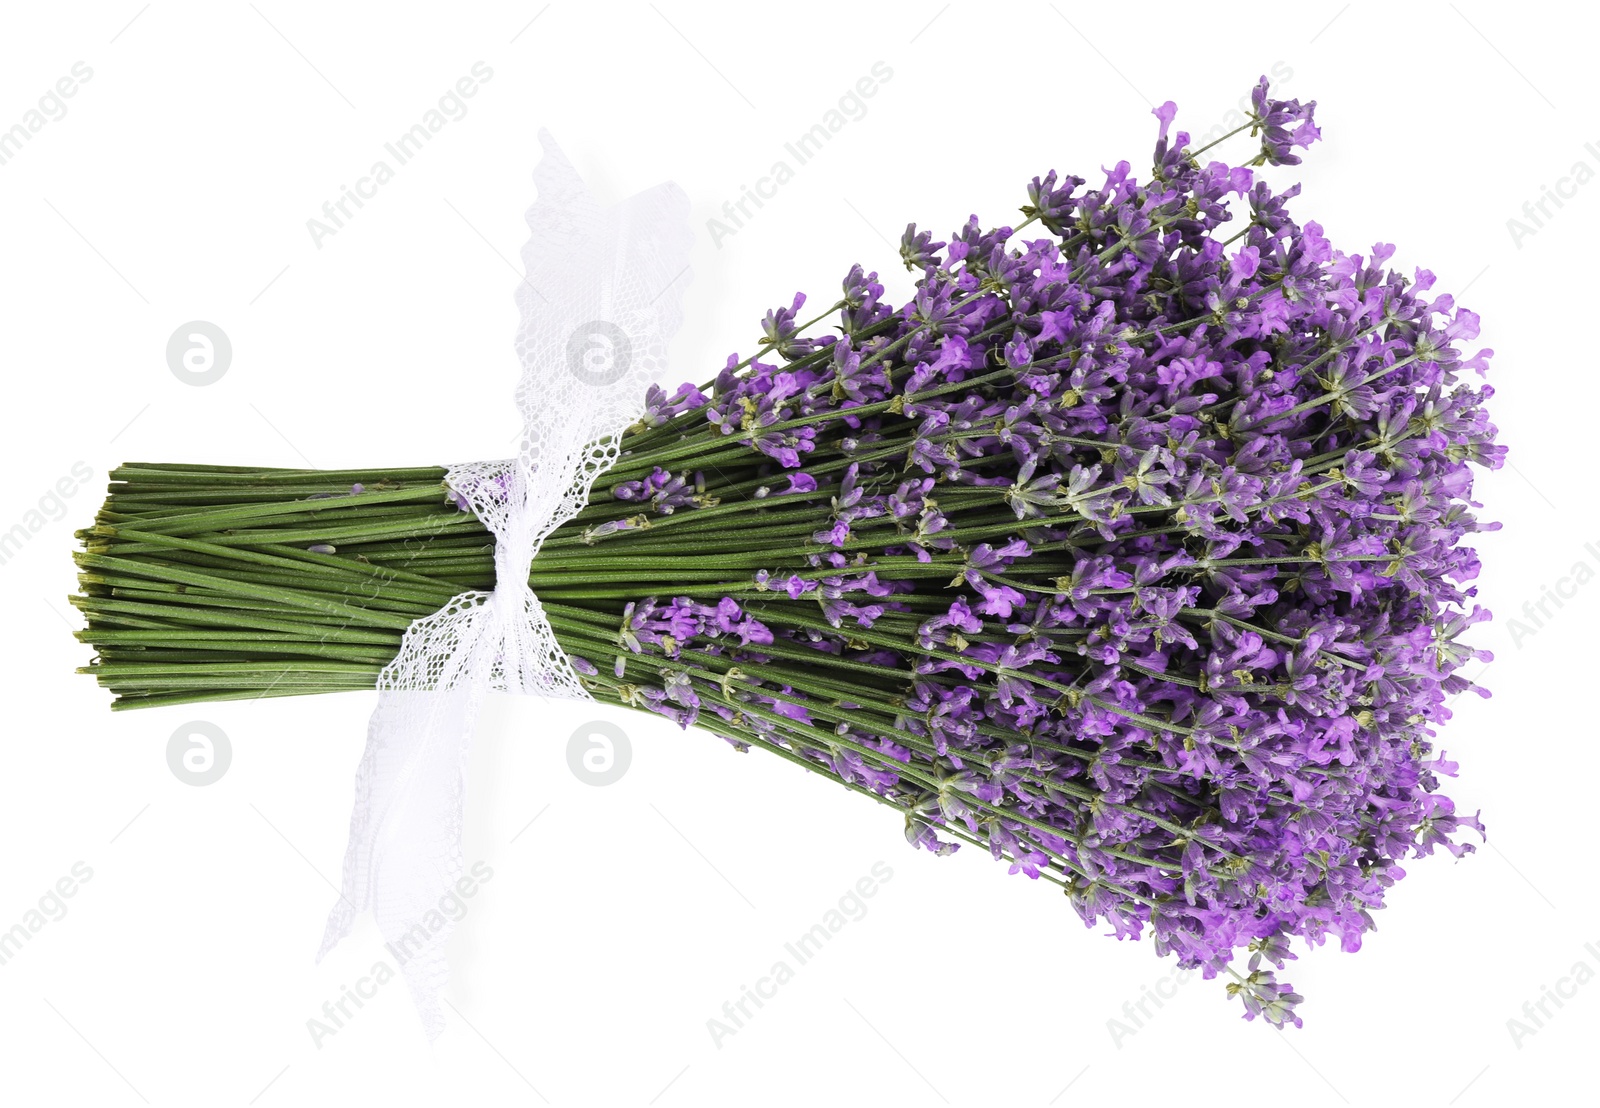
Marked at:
<point>404,856</point>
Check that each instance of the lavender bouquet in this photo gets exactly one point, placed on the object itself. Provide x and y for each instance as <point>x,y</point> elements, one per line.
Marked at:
<point>1130,550</point>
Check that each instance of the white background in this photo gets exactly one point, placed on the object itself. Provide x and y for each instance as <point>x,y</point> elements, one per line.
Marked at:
<point>178,186</point>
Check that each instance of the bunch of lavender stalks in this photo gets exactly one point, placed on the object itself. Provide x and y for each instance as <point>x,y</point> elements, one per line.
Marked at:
<point>1132,560</point>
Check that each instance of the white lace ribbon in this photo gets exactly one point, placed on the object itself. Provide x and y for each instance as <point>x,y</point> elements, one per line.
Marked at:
<point>602,296</point>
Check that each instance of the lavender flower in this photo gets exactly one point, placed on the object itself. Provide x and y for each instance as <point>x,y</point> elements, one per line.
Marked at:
<point>1202,513</point>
